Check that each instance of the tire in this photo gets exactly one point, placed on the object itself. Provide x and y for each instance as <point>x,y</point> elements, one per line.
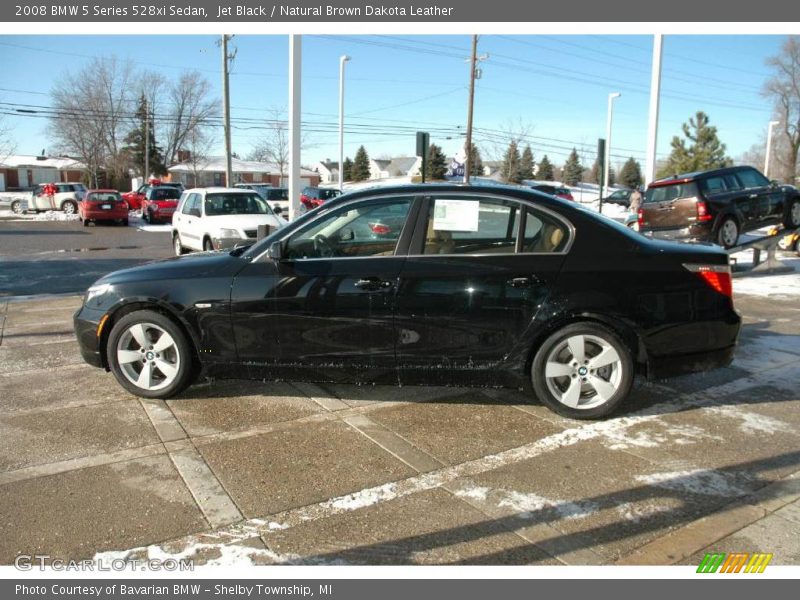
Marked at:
<point>146,216</point>
<point>69,207</point>
<point>16,207</point>
<point>728,233</point>
<point>207,245</point>
<point>124,222</point>
<point>583,391</point>
<point>792,218</point>
<point>139,333</point>
<point>177,246</point>
<point>85,222</point>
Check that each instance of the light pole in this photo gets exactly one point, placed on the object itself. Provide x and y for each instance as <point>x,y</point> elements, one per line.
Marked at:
<point>772,125</point>
<point>342,60</point>
<point>611,97</point>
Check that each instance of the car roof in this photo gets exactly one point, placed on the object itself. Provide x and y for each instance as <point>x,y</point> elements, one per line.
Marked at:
<point>105,191</point>
<point>695,175</point>
<point>217,190</point>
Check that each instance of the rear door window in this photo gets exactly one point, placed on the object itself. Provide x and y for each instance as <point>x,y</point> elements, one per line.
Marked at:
<point>543,233</point>
<point>471,226</point>
<point>715,185</point>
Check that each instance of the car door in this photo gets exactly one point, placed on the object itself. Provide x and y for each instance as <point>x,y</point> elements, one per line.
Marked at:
<point>472,285</point>
<point>754,199</point>
<point>188,221</point>
<point>324,310</point>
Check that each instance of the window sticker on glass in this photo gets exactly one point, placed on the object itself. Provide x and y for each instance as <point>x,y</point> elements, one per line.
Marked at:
<point>455,215</point>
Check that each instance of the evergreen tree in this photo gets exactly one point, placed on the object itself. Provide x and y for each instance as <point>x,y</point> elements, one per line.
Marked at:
<point>510,170</point>
<point>631,174</point>
<point>135,144</point>
<point>347,167</point>
<point>476,162</point>
<point>595,175</point>
<point>545,170</point>
<point>526,163</point>
<point>573,171</point>
<point>360,170</point>
<point>701,149</point>
<point>436,165</point>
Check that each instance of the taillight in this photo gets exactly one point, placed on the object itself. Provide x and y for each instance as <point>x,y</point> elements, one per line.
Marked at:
<point>640,218</point>
<point>702,211</point>
<point>716,276</point>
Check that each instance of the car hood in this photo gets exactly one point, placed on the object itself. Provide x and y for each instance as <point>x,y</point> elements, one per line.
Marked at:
<point>244,221</point>
<point>191,266</point>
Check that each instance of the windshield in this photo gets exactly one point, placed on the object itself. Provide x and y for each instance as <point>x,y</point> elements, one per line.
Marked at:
<point>236,204</point>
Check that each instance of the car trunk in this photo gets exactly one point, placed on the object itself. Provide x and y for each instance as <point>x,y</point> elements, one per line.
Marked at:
<point>669,206</point>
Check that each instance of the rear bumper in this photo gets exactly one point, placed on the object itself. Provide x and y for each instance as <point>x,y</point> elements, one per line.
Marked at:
<point>698,232</point>
<point>85,322</point>
<point>105,214</point>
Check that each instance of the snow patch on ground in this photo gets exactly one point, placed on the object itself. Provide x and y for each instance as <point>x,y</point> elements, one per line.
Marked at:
<point>783,285</point>
<point>55,215</point>
<point>753,423</point>
<point>364,498</point>
<point>635,513</point>
<point>526,505</point>
<point>698,481</point>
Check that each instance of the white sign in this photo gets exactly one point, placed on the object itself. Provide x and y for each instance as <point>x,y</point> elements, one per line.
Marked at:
<point>455,215</point>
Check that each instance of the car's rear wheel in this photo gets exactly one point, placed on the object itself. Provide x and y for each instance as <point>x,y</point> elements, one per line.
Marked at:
<point>207,245</point>
<point>792,220</point>
<point>124,222</point>
<point>583,371</point>
<point>85,222</point>
<point>728,233</point>
<point>149,355</point>
<point>16,207</point>
<point>177,246</point>
<point>69,207</point>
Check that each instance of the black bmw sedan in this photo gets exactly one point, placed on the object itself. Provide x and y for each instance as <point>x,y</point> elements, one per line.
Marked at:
<point>436,284</point>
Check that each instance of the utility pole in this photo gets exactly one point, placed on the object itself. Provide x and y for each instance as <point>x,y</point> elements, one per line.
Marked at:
<point>655,96</point>
<point>226,109</point>
<point>607,164</point>
<point>146,142</point>
<point>472,62</point>
<point>342,60</point>
<point>295,77</point>
<point>770,129</point>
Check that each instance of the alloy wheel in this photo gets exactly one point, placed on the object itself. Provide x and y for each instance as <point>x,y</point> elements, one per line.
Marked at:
<point>730,232</point>
<point>148,356</point>
<point>583,371</point>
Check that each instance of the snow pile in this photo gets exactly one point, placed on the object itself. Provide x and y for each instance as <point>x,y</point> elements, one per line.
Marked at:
<point>54,215</point>
<point>135,220</point>
<point>784,285</point>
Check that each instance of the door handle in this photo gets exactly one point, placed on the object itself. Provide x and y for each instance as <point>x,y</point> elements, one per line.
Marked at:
<point>524,282</point>
<point>372,284</point>
<point>753,196</point>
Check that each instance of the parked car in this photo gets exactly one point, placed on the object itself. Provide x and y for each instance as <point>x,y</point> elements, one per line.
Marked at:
<point>620,197</point>
<point>137,196</point>
<point>554,190</point>
<point>103,205</point>
<point>159,203</point>
<point>65,197</point>
<point>479,286</point>
<point>312,197</point>
<point>278,197</point>
<point>716,206</point>
<point>217,218</point>
<point>15,202</point>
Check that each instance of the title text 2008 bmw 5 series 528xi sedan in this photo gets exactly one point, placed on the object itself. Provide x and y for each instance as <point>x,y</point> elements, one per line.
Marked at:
<point>436,284</point>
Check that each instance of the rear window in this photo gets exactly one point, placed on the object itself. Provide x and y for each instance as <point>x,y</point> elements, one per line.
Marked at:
<point>103,197</point>
<point>328,194</point>
<point>277,194</point>
<point>665,193</point>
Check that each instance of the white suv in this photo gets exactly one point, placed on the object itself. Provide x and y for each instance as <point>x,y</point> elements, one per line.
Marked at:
<point>217,217</point>
<point>66,198</point>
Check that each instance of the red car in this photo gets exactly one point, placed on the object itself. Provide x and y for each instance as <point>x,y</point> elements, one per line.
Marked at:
<point>312,197</point>
<point>103,205</point>
<point>136,197</point>
<point>554,190</point>
<point>159,203</point>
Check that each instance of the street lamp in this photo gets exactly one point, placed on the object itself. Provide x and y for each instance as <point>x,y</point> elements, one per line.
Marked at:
<point>342,59</point>
<point>772,125</point>
<point>611,97</point>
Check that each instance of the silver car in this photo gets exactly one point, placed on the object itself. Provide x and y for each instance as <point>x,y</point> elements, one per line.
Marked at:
<point>16,202</point>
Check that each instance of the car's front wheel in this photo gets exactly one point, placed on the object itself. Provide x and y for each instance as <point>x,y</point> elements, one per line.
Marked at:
<point>69,207</point>
<point>792,219</point>
<point>583,371</point>
<point>177,246</point>
<point>149,355</point>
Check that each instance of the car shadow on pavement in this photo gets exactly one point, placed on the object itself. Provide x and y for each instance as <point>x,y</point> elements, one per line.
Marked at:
<point>637,511</point>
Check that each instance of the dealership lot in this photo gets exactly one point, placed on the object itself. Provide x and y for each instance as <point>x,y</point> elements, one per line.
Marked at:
<point>280,472</point>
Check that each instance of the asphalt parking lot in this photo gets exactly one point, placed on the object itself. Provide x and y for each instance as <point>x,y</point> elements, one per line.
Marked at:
<point>274,472</point>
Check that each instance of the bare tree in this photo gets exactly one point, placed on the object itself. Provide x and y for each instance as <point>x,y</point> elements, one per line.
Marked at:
<point>91,125</point>
<point>7,144</point>
<point>198,144</point>
<point>273,147</point>
<point>784,90</point>
<point>187,108</point>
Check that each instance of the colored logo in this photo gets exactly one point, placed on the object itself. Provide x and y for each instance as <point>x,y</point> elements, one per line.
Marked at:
<point>736,562</point>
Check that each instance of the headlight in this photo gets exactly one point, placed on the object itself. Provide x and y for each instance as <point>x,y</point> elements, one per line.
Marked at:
<point>96,291</point>
<point>229,233</point>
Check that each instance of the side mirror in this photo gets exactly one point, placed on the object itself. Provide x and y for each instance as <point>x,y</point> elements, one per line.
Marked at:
<point>275,251</point>
<point>277,209</point>
<point>347,235</point>
<point>774,183</point>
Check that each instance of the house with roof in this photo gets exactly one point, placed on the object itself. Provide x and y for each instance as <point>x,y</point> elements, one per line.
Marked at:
<point>401,166</point>
<point>22,171</point>
<point>210,171</point>
<point>328,171</point>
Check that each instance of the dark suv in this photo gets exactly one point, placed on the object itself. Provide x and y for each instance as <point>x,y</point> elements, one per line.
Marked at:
<point>716,206</point>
